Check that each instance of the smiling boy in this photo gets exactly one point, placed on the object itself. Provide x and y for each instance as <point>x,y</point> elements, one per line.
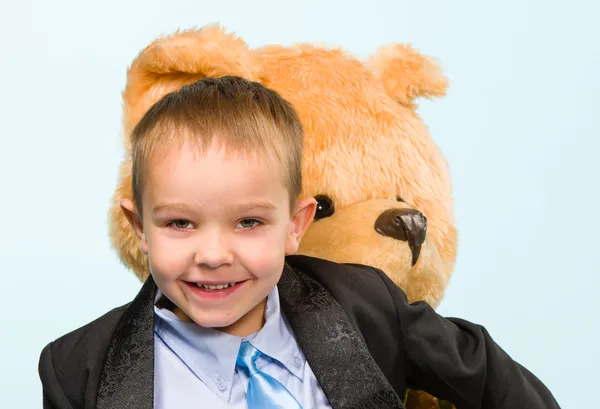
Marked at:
<point>230,318</point>
<point>213,219</point>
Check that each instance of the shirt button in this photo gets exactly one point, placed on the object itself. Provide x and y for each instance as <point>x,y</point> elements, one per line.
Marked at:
<point>221,384</point>
<point>297,361</point>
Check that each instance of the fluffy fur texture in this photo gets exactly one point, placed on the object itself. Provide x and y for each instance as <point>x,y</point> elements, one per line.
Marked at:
<point>365,147</point>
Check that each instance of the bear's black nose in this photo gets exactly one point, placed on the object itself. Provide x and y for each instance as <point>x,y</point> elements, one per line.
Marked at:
<point>404,224</point>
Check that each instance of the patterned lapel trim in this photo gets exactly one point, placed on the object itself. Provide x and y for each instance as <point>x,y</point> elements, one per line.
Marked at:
<point>338,356</point>
<point>127,379</point>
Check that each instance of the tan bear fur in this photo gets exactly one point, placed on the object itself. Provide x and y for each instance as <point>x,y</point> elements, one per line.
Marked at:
<point>365,147</point>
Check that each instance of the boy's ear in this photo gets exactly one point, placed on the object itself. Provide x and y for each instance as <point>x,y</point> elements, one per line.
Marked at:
<point>301,220</point>
<point>131,214</point>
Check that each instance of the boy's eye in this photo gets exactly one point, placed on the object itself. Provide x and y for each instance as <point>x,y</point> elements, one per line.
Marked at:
<point>181,224</point>
<point>248,223</point>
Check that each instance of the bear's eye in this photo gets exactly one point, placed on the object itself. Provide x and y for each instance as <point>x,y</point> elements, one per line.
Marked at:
<point>324,207</point>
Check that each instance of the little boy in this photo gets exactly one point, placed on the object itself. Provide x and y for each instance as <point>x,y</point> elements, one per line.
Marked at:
<point>229,317</point>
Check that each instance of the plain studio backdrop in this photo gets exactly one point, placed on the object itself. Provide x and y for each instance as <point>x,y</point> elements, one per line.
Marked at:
<point>519,128</point>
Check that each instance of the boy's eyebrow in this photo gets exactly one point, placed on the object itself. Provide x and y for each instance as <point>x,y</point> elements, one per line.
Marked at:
<point>171,206</point>
<point>257,205</point>
<point>240,207</point>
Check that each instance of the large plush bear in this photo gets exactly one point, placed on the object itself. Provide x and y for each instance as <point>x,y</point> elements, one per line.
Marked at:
<point>382,185</point>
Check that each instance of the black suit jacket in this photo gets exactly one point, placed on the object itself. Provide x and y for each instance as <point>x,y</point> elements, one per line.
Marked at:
<point>362,339</point>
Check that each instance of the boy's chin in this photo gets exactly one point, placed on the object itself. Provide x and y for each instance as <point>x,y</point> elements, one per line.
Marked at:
<point>240,326</point>
<point>203,320</point>
<point>215,322</point>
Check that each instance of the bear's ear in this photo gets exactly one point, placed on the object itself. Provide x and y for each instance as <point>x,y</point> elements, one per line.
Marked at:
<point>178,59</point>
<point>406,74</point>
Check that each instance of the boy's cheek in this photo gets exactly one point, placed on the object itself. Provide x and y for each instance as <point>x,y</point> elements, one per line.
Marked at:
<point>261,255</point>
<point>168,261</point>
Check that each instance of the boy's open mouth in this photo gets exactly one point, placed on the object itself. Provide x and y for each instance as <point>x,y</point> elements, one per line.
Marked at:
<point>220,289</point>
<point>213,287</point>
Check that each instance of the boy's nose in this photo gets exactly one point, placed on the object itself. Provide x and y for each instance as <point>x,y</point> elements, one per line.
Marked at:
<point>404,224</point>
<point>212,259</point>
<point>212,253</point>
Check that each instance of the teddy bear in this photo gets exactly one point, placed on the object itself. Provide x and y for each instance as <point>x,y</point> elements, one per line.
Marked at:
<point>382,185</point>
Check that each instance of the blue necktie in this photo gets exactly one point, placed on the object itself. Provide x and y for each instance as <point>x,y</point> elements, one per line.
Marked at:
<point>264,392</point>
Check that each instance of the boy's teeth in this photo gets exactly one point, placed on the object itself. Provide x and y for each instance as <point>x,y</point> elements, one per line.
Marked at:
<point>215,287</point>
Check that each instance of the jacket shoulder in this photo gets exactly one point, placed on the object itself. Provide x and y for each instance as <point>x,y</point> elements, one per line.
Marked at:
<point>75,358</point>
<point>90,333</point>
<point>346,280</point>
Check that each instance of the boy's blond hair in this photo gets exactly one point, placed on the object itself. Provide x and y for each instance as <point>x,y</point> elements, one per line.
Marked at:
<point>239,115</point>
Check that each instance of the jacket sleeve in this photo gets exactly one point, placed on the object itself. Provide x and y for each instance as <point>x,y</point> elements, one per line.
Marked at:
<point>53,396</point>
<point>458,361</point>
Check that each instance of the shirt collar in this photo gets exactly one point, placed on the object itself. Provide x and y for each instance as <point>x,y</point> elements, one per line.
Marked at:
<point>276,339</point>
<point>211,354</point>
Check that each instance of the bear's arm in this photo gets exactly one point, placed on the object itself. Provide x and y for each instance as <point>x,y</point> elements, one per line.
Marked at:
<point>458,361</point>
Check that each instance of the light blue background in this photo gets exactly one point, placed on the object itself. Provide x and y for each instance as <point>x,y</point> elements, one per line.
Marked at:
<point>519,128</point>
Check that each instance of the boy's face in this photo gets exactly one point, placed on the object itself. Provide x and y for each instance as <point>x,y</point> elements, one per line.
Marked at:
<point>212,221</point>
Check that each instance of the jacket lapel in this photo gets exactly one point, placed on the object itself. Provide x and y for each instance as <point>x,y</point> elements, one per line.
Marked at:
<point>127,379</point>
<point>336,353</point>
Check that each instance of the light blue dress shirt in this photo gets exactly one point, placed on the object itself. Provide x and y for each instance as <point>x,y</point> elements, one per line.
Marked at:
<point>194,367</point>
